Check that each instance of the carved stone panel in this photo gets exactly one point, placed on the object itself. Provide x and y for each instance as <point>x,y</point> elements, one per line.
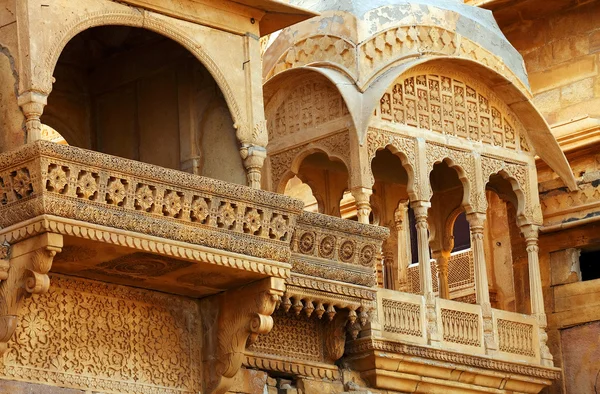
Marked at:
<point>453,105</point>
<point>95,336</point>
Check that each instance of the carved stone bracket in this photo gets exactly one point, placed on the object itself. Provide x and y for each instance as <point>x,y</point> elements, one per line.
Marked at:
<point>26,274</point>
<point>232,321</point>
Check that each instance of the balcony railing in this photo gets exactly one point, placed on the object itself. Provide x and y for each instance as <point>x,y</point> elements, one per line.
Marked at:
<point>67,182</point>
<point>459,326</point>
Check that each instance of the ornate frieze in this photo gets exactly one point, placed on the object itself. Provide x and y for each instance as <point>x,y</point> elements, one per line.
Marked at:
<point>46,178</point>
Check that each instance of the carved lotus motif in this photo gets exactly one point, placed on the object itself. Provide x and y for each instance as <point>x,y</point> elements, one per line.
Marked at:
<point>22,183</point>
<point>171,204</point>
<point>226,214</point>
<point>367,254</point>
<point>115,191</point>
<point>347,251</point>
<point>199,209</point>
<point>327,246</point>
<point>307,243</point>
<point>278,226</point>
<point>57,179</point>
<point>87,186</point>
<point>144,197</point>
<point>253,221</point>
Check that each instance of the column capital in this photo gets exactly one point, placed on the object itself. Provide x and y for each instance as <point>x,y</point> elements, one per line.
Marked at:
<point>32,104</point>
<point>476,220</point>
<point>254,157</point>
<point>362,196</point>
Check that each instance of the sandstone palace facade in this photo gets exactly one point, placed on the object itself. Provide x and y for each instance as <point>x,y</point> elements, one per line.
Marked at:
<point>299,197</point>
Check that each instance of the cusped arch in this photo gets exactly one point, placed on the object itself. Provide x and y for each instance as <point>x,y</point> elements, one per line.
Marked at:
<point>298,158</point>
<point>407,164</point>
<point>144,21</point>
<point>464,166</point>
<point>521,204</point>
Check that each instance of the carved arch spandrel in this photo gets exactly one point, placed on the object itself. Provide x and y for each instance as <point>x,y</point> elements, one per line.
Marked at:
<point>404,147</point>
<point>28,266</point>
<point>144,20</point>
<point>232,321</point>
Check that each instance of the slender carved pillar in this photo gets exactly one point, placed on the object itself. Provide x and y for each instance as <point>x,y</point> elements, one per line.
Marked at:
<point>476,223</point>
<point>535,288</point>
<point>32,104</point>
<point>362,196</point>
<point>27,274</point>
<point>441,258</point>
<point>403,245</point>
<point>232,320</point>
<point>254,158</point>
<point>420,209</point>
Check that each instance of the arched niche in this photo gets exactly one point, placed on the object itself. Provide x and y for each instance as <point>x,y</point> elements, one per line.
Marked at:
<point>137,94</point>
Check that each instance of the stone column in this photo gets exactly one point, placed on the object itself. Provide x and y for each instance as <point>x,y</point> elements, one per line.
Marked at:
<point>403,245</point>
<point>476,221</point>
<point>254,158</point>
<point>535,288</point>
<point>362,196</point>
<point>32,104</point>
<point>420,209</point>
<point>441,258</point>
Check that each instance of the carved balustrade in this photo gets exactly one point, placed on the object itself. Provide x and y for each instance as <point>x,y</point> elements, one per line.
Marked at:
<point>72,183</point>
<point>398,349</point>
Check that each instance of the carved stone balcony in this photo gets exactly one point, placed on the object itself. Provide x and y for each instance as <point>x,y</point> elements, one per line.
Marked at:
<point>329,296</point>
<point>137,224</point>
<point>419,345</point>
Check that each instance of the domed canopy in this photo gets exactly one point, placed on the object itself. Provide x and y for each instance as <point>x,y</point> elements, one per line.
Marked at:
<point>363,46</point>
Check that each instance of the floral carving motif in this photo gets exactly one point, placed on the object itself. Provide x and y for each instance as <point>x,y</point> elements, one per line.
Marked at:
<point>57,179</point>
<point>21,181</point>
<point>347,251</point>
<point>116,339</point>
<point>253,221</point>
<point>144,198</point>
<point>87,185</point>
<point>278,226</point>
<point>172,203</point>
<point>226,215</point>
<point>327,246</point>
<point>115,192</point>
<point>367,255</point>
<point>199,211</point>
<point>307,243</point>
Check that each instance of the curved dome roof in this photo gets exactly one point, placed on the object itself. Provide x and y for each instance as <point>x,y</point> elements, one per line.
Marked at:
<point>374,16</point>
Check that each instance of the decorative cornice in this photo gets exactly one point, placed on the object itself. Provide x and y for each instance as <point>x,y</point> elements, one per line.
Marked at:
<point>161,246</point>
